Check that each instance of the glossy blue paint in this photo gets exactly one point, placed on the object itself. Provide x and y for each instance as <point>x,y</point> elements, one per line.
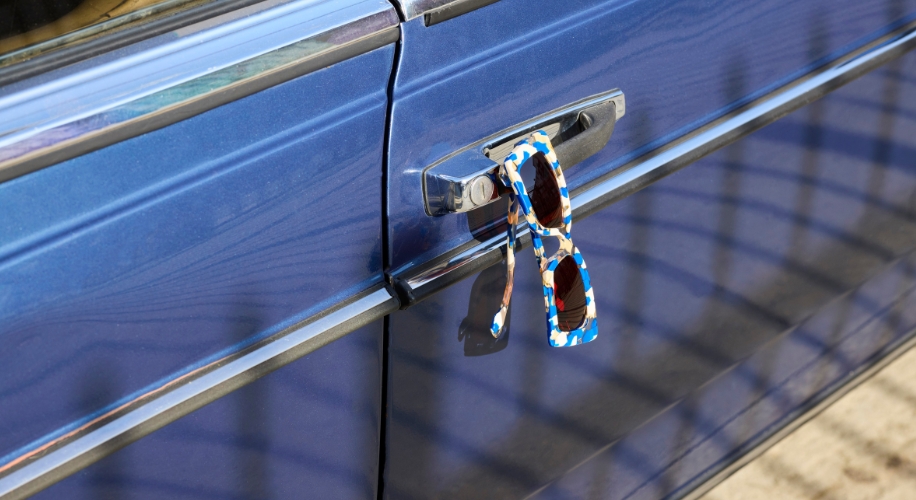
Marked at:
<point>730,294</point>
<point>308,430</point>
<point>125,267</point>
<point>678,61</point>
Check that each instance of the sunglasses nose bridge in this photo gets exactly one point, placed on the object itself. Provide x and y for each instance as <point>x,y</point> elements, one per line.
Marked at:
<point>549,258</point>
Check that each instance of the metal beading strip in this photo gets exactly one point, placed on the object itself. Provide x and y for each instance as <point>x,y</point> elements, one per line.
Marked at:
<point>790,423</point>
<point>452,10</point>
<point>51,462</point>
<point>439,10</point>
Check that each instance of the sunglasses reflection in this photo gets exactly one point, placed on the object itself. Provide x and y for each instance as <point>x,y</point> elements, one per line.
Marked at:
<point>486,295</point>
<point>489,220</point>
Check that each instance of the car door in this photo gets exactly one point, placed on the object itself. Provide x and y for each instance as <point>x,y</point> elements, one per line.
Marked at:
<point>732,295</point>
<point>191,199</point>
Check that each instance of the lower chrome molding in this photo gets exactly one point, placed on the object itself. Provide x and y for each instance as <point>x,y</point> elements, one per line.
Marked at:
<point>51,462</point>
<point>414,283</point>
<point>793,422</point>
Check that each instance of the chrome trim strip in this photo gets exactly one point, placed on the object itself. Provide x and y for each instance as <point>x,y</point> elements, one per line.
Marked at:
<point>791,423</point>
<point>482,252</point>
<point>453,9</point>
<point>106,434</point>
<point>416,282</point>
<point>194,69</point>
<point>438,10</point>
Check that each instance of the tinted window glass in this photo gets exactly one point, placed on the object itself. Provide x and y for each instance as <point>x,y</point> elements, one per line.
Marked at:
<point>32,27</point>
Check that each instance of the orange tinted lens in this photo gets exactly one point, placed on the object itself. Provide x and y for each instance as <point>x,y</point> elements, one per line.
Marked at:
<point>569,294</point>
<point>545,196</point>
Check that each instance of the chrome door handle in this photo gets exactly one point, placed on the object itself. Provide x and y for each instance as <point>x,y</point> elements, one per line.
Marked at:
<point>466,179</point>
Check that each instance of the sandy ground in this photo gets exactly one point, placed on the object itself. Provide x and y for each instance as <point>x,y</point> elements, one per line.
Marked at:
<point>861,447</point>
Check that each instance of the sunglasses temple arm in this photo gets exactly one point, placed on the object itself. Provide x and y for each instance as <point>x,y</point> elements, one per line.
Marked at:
<point>499,320</point>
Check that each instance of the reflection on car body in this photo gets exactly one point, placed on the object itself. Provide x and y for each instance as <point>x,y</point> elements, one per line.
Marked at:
<point>220,274</point>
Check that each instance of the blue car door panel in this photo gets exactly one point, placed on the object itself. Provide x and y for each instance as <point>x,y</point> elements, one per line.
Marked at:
<point>308,430</point>
<point>265,240</point>
<point>231,192</point>
<point>680,65</point>
<point>732,294</point>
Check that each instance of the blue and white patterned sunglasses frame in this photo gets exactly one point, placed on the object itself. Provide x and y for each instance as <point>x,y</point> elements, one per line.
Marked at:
<point>539,142</point>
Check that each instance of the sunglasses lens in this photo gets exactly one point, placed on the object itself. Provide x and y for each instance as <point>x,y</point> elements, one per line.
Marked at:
<point>569,294</point>
<point>545,196</point>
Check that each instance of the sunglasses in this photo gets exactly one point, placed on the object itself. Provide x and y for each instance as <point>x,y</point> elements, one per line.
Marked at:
<point>568,296</point>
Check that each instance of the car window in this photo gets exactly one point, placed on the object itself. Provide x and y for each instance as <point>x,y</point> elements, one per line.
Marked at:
<point>32,27</point>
